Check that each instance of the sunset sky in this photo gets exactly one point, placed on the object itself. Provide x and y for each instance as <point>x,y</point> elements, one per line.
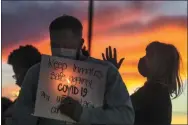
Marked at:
<point>127,25</point>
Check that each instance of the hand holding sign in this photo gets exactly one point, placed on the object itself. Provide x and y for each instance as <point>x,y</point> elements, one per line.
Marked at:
<point>71,108</point>
<point>63,80</point>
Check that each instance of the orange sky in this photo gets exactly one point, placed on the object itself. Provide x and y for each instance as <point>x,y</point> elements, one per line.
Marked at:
<point>132,47</point>
<point>130,29</point>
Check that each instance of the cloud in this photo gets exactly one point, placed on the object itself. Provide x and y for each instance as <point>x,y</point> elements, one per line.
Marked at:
<point>129,33</point>
<point>22,21</point>
<point>135,16</point>
<point>137,27</point>
<point>172,8</point>
<point>29,21</point>
<point>113,14</point>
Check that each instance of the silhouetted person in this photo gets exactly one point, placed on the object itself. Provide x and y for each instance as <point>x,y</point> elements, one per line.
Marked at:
<point>66,41</point>
<point>21,60</point>
<point>152,102</point>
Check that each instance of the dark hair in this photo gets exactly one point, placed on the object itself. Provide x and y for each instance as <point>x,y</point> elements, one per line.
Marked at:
<point>165,66</point>
<point>66,22</point>
<point>25,56</point>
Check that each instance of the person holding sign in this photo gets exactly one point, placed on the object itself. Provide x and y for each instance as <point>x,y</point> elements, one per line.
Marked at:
<point>66,41</point>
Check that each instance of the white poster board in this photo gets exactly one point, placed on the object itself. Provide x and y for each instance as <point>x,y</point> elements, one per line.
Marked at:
<point>60,77</point>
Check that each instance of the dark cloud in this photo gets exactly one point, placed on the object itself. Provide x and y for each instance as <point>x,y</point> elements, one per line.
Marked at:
<point>109,11</point>
<point>23,21</point>
<point>29,20</point>
<point>138,27</point>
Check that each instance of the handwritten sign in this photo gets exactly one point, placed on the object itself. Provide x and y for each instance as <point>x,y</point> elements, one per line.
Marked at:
<point>62,77</point>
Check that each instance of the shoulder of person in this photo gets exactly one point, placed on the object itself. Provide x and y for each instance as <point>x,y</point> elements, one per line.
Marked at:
<point>33,72</point>
<point>34,68</point>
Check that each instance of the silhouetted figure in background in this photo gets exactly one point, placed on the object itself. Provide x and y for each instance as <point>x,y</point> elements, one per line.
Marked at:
<point>66,41</point>
<point>21,60</point>
<point>152,102</point>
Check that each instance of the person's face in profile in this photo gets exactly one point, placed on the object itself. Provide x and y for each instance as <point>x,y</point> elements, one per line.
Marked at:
<point>19,74</point>
<point>66,39</point>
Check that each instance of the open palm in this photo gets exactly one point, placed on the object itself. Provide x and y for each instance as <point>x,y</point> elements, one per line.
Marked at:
<point>112,57</point>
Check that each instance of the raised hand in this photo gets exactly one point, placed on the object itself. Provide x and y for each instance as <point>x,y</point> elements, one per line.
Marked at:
<point>112,59</point>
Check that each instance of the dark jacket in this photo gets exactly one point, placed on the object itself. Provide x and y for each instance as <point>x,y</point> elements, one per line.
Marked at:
<point>152,105</point>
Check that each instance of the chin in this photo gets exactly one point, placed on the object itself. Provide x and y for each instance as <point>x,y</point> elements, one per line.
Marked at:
<point>18,84</point>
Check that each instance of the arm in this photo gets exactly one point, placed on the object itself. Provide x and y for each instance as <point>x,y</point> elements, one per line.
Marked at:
<point>24,105</point>
<point>118,108</point>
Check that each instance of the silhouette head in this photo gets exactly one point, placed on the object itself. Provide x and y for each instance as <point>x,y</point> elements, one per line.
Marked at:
<point>161,64</point>
<point>22,59</point>
<point>66,32</point>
